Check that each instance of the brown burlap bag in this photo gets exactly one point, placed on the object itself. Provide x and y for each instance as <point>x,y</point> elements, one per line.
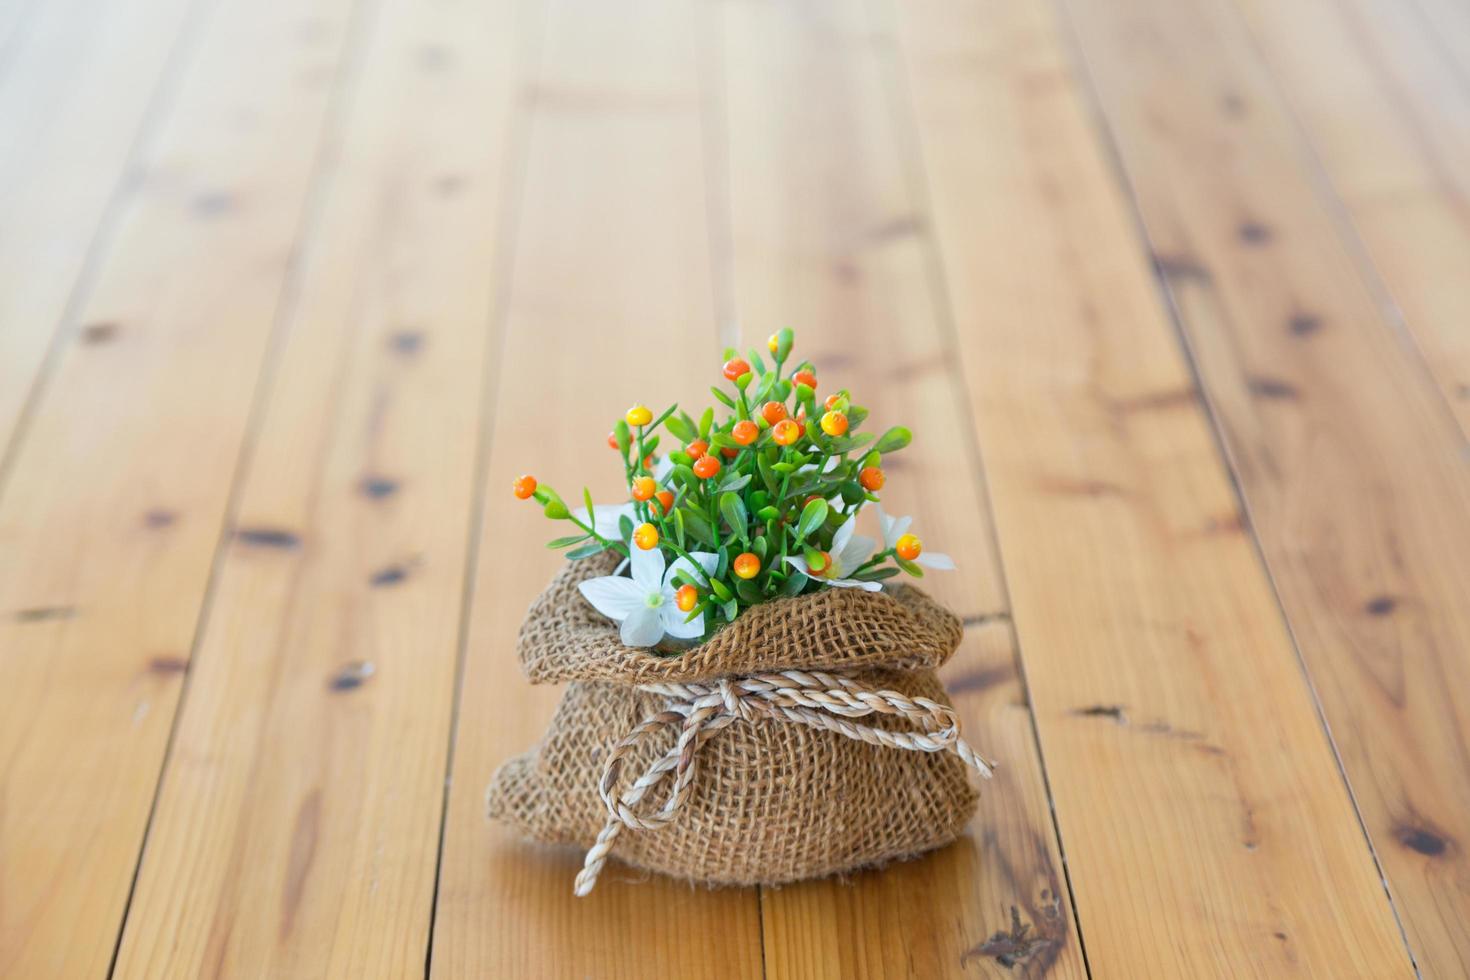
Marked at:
<point>809,737</point>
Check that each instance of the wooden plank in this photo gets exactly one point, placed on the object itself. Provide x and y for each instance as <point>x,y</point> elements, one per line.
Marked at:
<point>75,94</point>
<point>610,303</point>
<point>297,830</point>
<point>831,239</point>
<point>1205,823</point>
<point>1387,112</point>
<point>112,512</point>
<point>1356,476</point>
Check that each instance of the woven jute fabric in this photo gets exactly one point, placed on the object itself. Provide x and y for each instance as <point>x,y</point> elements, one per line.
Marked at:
<point>773,796</point>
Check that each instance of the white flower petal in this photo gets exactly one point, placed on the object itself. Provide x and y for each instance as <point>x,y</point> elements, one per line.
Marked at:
<point>643,628</point>
<point>647,567</point>
<point>608,516</point>
<point>613,596</point>
<point>798,562</point>
<point>843,535</point>
<point>852,583</point>
<point>675,626</point>
<point>943,563</point>
<point>857,551</point>
<point>707,563</point>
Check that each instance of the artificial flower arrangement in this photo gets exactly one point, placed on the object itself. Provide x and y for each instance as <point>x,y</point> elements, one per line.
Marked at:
<point>732,596</point>
<point>759,505</point>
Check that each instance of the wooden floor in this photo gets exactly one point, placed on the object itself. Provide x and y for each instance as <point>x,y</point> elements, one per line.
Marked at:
<point>1175,295</point>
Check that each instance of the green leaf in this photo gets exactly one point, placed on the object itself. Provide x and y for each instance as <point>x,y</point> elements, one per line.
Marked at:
<point>768,381</point>
<point>723,440</point>
<point>804,393</point>
<point>768,514</point>
<point>732,508</point>
<point>724,399</point>
<point>876,574</point>
<point>623,436</point>
<point>567,541</point>
<point>649,445</point>
<point>625,527</point>
<point>705,421</point>
<point>760,548</point>
<point>730,353</point>
<point>855,416</point>
<point>744,380</point>
<point>680,430</point>
<point>768,475</point>
<point>814,559</point>
<point>734,483</point>
<point>812,516</point>
<point>663,417</point>
<point>679,527</point>
<point>853,492</point>
<point>784,337</point>
<point>698,526</point>
<point>749,591</point>
<point>681,457</point>
<point>893,440</point>
<point>685,477</point>
<point>591,511</point>
<point>784,468</point>
<point>721,590</point>
<point>556,510</point>
<point>731,610</point>
<point>755,360</point>
<point>909,567</point>
<point>587,551</point>
<point>794,584</point>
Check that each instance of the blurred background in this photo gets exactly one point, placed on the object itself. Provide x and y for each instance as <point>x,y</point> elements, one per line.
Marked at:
<point>1172,294</point>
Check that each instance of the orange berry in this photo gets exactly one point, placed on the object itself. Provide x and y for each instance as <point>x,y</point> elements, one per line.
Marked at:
<point>697,448</point>
<point>729,453</point>
<point>871,478</point>
<point>646,537</point>
<point>785,432</point>
<point>834,423</point>
<point>773,412</point>
<point>745,432</point>
<point>638,415</point>
<point>648,463</point>
<point>805,378</point>
<point>612,440</point>
<point>832,401</point>
<point>747,565</point>
<point>524,486</point>
<point>735,367</point>
<point>908,547</point>
<point>686,597</point>
<point>706,467</point>
<point>644,487</point>
<point>663,502</point>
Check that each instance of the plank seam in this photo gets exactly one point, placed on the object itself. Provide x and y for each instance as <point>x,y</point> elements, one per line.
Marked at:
<point>520,127</point>
<point>160,103</point>
<point>1107,141</point>
<point>902,108</point>
<point>322,167</point>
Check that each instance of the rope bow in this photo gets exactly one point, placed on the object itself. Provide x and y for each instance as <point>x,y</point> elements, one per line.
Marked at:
<point>819,700</point>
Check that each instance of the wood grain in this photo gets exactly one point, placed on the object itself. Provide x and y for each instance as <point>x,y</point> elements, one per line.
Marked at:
<point>610,303</point>
<point>297,831</point>
<point>1387,113</point>
<point>112,511</point>
<point>832,241</point>
<point>1356,476</point>
<point>1206,828</point>
<point>77,86</point>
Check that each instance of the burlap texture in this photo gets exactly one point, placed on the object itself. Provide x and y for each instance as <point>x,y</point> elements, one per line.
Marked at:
<point>773,801</point>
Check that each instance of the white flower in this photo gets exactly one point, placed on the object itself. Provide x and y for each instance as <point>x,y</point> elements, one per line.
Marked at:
<point>849,551</point>
<point>644,603</point>
<point>896,527</point>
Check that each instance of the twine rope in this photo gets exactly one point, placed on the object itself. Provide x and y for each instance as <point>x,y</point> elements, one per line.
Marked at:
<point>820,700</point>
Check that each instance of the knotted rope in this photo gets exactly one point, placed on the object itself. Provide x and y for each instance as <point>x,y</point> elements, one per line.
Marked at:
<point>820,700</point>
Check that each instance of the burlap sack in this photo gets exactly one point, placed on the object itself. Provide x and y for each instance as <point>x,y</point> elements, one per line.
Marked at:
<point>814,738</point>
